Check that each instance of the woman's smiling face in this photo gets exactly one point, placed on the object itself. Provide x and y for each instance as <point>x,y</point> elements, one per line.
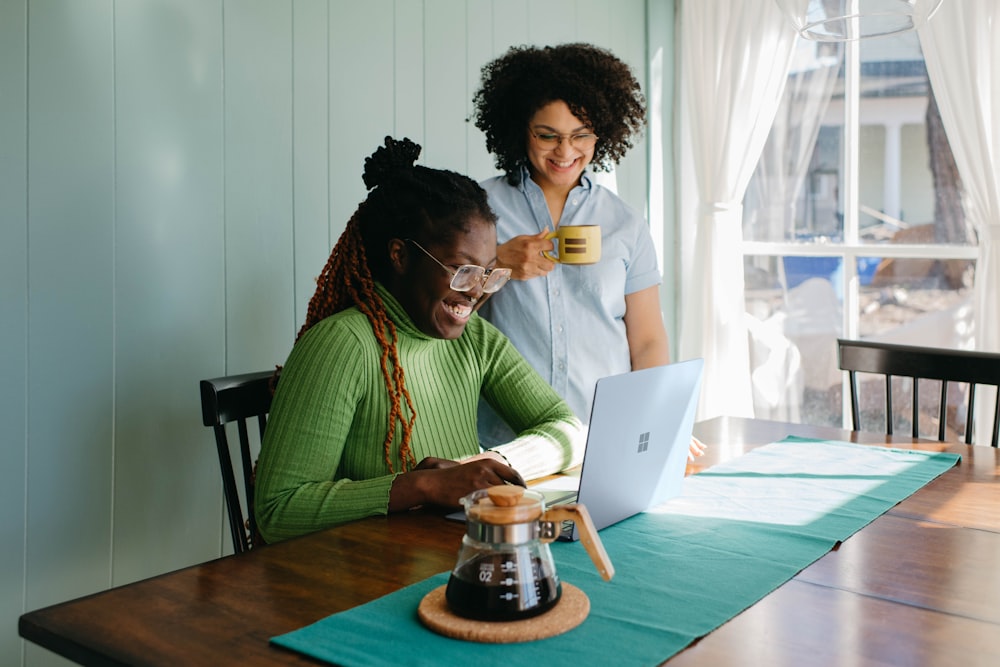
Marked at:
<point>560,167</point>
<point>423,287</point>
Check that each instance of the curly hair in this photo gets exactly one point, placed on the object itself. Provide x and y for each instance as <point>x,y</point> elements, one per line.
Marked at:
<point>405,201</point>
<point>598,88</point>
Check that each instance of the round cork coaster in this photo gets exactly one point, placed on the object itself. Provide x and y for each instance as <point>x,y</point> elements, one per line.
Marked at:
<point>569,612</point>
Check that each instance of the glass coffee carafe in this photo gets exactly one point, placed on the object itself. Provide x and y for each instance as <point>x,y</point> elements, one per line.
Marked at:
<point>505,570</point>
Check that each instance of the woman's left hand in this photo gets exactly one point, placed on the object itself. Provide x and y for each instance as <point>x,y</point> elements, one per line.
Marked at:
<point>485,455</point>
<point>434,463</point>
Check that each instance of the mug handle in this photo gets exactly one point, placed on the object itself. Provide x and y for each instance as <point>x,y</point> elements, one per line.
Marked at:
<point>548,253</point>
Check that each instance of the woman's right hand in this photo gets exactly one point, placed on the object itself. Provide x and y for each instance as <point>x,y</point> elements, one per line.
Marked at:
<point>446,486</point>
<point>523,255</point>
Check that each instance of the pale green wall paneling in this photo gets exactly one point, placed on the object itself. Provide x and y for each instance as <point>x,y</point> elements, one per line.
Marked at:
<point>552,21</point>
<point>169,281</point>
<point>70,279</point>
<point>311,137</point>
<point>594,21</point>
<point>512,23</point>
<point>409,76</point>
<point>444,55</point>
<point>625,20</point>
<point>479,51</point>
<point>361,98</point>
<point>660,42</point>
<point>13,316</point>
<point>493,28</point>
<point>173,174</point>
<point>258,181</point>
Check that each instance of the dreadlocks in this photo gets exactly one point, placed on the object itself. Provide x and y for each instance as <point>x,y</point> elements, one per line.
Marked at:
<point>405,201</point>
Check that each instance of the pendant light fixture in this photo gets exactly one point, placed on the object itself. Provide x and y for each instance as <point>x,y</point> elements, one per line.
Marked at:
<point>848,20</point>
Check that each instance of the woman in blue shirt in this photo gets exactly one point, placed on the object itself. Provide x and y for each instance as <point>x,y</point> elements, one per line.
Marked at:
<point>549,114</point>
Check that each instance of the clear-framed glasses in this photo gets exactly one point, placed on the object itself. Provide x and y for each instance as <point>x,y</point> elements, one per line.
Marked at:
<point>550,140</point>
<point>468,276</point>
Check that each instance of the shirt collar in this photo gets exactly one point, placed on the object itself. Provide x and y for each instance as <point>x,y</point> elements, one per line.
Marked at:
<point>586,183</point>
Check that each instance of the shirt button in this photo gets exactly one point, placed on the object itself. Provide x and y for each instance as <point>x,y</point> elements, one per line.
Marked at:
<point>560,329</point>
<point>562,366</point>
<point>575,202</point>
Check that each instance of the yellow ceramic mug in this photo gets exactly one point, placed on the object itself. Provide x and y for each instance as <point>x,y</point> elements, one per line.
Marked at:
<point>576,244</point>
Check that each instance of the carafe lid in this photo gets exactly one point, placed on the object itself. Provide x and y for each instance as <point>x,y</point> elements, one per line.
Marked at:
<point>504,505</point>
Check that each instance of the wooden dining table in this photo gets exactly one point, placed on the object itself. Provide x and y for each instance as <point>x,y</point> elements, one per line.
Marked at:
<point>920,585</point>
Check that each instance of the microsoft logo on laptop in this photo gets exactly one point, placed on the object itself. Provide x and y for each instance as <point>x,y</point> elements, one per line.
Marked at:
<point>643,442</point>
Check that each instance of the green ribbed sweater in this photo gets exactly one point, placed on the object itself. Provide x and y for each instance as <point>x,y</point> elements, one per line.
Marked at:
<point>322,460</point>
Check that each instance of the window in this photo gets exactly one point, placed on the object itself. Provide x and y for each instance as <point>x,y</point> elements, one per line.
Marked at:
<point>853,225</point>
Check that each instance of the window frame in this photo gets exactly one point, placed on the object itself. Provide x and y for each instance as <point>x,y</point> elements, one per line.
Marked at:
<point>852,248</point>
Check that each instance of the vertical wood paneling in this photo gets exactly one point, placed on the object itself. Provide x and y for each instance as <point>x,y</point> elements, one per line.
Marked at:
<point>480,50</point>
<point>627,20</point>
<point>552,22</point>
<point>511,23</point>
<point>311,140</point>
<point>362,107</point>
<point>593,25</point>
<point>662,194</point>
<point>446,90</point>
<point>170,306</point>
<point>409,74</point>
<point>71,299</point>
<point>260,293</point>
<point>13,314</point>
<point>593,21</point>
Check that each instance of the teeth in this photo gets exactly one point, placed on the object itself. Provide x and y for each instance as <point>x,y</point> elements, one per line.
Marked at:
<point>563,165</point>
<point>460,311</point>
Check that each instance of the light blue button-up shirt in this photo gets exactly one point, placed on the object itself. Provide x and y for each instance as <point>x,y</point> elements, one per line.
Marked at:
<point>569,324</point>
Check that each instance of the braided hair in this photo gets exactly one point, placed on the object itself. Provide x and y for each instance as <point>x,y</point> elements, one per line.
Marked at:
<point>597,87</point>
<point>404,201</point>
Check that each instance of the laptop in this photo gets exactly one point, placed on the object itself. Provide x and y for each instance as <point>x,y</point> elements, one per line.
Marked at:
<point>637,445</point>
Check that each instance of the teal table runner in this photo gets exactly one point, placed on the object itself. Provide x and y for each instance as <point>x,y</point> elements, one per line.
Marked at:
<point>737,531</point>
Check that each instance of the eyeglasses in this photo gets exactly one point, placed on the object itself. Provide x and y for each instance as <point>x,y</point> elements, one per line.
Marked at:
<point>469,275</point>
<point>581,140</point>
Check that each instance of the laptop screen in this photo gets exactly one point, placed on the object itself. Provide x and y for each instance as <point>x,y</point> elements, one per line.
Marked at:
<point>637,443</point>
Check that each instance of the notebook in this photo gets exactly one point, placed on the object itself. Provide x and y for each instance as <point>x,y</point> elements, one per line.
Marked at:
<point>637,445</point>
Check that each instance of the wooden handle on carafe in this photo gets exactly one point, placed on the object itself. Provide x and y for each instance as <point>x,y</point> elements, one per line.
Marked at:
<point>579,515</point>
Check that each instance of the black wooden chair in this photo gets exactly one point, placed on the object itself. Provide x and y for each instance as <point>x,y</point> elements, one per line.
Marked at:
<point>921,363</point>
<point>237,398</point>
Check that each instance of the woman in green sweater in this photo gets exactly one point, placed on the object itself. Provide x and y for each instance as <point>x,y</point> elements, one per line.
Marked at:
<point>375,410</point>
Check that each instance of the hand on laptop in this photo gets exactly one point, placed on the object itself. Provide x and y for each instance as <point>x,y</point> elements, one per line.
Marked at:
<point>697,448</point>
<point>486,455</point>
<point>442,482</point>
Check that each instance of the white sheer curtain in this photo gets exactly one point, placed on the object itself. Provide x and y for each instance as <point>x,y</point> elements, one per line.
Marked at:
<point>776,370</point>
<point>735,58</point>
<point>784,162</point>
<point>961,45</point>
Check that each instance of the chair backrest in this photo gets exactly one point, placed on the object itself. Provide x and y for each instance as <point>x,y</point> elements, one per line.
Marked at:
<point>928,363</point>
<point>237,398</point>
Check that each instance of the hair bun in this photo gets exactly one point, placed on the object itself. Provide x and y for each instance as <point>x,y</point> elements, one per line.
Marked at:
<point>390,161</point>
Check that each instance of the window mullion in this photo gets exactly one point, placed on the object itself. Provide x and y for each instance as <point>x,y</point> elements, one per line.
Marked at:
<point>851,204</point>
<point>851,156</point>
